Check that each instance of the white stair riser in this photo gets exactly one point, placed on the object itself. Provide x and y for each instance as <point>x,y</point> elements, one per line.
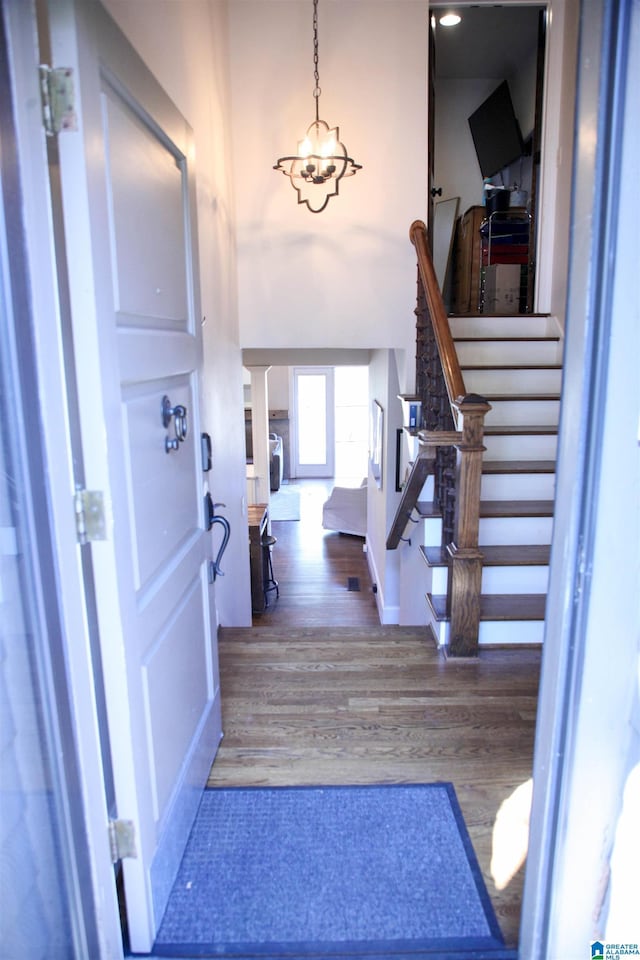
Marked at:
<point>512,381</point>
<point>439,580</point>
<point>502,326</point>
<point>523,412</point>
<point>493,530</point>
<point>431,531</point>
<point>496,531</point>
<point>497,632</point>
<point>515,579</point>
<point>497,352</point>
<point>427,490</point>
<point>521,447</point>
<point>508,486</point>
<point>517,486</point>
<point>511,632</point>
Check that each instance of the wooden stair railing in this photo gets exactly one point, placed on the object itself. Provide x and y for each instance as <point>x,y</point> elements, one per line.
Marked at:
<point>451,446</point>
<point>421,469</point>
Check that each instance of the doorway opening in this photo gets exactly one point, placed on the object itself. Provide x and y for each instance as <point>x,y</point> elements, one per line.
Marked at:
<point>329,427</point>
<point>491,60</point>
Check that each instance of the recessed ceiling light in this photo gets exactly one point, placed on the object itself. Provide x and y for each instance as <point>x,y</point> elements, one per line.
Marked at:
<point>450,19</point>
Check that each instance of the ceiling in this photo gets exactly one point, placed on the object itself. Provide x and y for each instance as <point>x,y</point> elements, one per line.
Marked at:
<point>489,42</point>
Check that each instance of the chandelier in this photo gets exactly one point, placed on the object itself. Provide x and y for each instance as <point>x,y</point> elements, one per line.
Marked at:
<point>316,170</point>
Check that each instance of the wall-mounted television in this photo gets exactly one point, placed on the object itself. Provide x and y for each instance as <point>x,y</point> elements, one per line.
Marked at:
<point>496,132</point>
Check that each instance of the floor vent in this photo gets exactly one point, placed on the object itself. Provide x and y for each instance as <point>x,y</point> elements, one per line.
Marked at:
<point>353,583</point>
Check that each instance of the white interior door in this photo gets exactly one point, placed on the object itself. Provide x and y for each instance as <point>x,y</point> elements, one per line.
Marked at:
<point>129,215</point>
<point>314,422</point>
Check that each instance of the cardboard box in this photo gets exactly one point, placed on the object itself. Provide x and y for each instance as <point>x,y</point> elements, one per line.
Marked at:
<point>502,288</point>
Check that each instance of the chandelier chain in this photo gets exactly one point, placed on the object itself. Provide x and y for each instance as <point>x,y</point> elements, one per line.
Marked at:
<point>316,75</point>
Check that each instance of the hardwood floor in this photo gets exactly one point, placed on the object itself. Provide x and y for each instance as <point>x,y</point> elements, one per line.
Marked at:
<point>318,692</point>
<point>313,567</point>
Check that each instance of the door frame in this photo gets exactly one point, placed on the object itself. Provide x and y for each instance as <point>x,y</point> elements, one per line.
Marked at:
<point>52,400</point>
<point>578,743</point>
<point>96,896</point>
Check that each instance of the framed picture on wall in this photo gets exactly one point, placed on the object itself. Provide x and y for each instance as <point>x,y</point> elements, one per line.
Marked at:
<point>400,478</point>
<point>376,428</point>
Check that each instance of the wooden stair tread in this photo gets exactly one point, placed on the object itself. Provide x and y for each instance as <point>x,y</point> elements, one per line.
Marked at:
<point>499,606</point>
<point>551,338</point>
<point>528,397</point>
<point>518,430</point>
<point>495,508</point>
<point>511,366</point>
<point>500,316</point>
<point>518,466</point>
<point>502,555</point>
<point>516,508</point>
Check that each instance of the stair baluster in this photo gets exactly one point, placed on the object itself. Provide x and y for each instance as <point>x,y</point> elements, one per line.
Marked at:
<point>436,410</point>
<point>453,424</point>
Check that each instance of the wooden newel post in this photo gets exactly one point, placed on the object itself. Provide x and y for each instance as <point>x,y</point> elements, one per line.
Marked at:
<point>465,580</point>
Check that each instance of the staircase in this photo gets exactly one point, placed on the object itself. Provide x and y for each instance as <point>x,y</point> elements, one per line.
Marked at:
<point>515,364</point>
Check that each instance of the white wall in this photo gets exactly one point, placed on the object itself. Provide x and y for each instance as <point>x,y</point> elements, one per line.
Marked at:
<point>382,501</point>
<point>344,277</point>
<point>278,382</point>
<point>185,45</point>
<point>456,167</point>
<point>522,86</point>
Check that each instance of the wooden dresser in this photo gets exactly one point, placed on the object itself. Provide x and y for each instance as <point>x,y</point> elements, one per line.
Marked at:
<point>466,261</point>
<point>258,520</point>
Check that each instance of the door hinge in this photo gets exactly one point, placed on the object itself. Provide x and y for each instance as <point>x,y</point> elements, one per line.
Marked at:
<point>58,99</point>
<point>88,506</point>
<point>122,840</point>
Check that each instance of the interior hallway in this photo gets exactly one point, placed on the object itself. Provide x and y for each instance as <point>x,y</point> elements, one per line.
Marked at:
<point>318,692</point>
<point>313,567</point>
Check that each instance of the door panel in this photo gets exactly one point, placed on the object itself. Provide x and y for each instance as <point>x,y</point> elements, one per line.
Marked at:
<point>142,168</point>
<point>129,211</point>
<point>173,670</point>
<point>159,485</point>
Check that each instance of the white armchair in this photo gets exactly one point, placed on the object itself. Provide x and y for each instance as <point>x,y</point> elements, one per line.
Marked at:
<point>346,510</point>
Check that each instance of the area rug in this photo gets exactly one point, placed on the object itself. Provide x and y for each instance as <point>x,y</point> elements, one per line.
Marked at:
<point>284,504</point>
<point>358,871</point>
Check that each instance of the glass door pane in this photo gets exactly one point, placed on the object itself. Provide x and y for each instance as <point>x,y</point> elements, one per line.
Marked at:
<point>312,419</point>
<point>314,422</point>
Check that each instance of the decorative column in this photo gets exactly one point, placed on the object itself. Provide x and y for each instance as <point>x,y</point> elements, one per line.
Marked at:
<point>260,435</point>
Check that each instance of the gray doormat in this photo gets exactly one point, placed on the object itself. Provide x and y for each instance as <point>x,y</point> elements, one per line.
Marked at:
<point>366,871</point>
